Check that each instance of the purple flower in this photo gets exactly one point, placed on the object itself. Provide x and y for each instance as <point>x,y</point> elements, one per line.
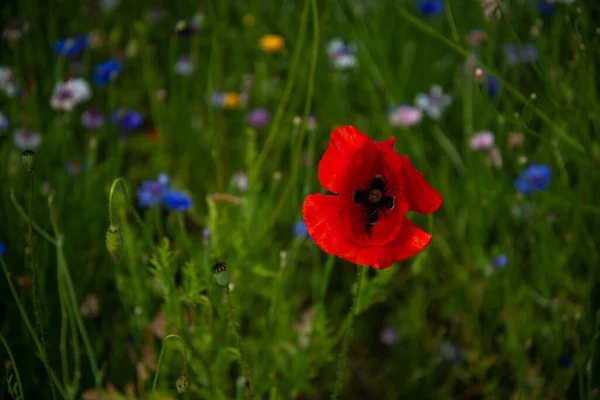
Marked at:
<point>545,8</point>
<point>525,54</point>
<point>535,178</point>
<point>92,119</point>
<point>106,72</point>
<point>430,8</point>
<point>299,229</point>
<point>127,119</point>
<point>528,53</point>
<point>2,249</point>
<point>388,336</point>
<point>565,361</point>
<point>258,118</point>
<point>177,201</point>
<point>152,193</point>
<point>4,124</point>
<point>500,261</point>
<point>492,86</point>
<point>72,47</point>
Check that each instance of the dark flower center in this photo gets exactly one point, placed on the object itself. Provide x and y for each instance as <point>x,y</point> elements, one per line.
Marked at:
<point>375,199</point>
<point>375,195</point>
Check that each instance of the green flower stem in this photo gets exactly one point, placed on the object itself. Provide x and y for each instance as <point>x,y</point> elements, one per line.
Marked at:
<point>240,342</point>
<point>160,357</point>
<point>35,226</point>
<point>121,183</point>
<point>339,382</point>
<point>428,30</point>
<point>20,395</point>
<point>34,280</point>
<point>41,350</point>
<point>72,298</point>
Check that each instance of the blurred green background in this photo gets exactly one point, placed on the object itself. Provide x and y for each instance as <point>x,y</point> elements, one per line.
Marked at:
<point>504,302</point>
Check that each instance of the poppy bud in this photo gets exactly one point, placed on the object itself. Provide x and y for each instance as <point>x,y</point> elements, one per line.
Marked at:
<point>221,274</point>
<point>113,241</point>
<point>28,158</point>
<point>182,384</point>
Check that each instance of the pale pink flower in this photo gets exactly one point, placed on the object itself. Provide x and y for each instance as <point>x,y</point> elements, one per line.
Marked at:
<point>405,116</point>
<point>482,140</point>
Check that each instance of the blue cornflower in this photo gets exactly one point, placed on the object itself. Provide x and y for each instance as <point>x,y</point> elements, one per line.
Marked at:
<point>106,72</point>
<point>535,178</point>
<point>565,361</point>
<point>492,86</point>
<point>2,249</point>
<point>545,8</point>
<point>177,201</point>
<point>430,8</point>
<point>152,193</point>
<point>127,119</point>
<point>4,124</point>
<point>71,47</point>
<point>500,261</point>
<point>299,229</point>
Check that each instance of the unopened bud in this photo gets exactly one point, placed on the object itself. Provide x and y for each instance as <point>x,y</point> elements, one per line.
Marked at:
<point>221,274</point>
<point>28,159</point>
<point>113,241</point>
<point>182,384</point>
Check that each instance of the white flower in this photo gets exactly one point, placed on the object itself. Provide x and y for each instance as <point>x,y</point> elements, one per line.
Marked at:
<point>240,180</point>
<point>7,85</point>
<point>482,140</point>
<point>26,140</point>
<point>183,66</point>
<point>434,103</point>
<point>405,116</point>
<point>67,95</point>
<point>335,46</point>
<point>341,54</point>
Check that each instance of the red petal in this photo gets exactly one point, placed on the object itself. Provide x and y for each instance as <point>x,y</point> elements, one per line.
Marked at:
<point>421,197</point>
<point>321,215</point>
<point>410,241</point>
<point>370,160</point>
<point>343,143</point>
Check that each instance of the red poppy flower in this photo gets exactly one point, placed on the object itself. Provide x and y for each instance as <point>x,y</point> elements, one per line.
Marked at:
<point>366,223</point>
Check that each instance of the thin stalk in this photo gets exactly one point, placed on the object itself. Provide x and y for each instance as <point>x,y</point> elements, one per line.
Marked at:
<point>21,395</point>
<point>23,215</point>
<point>339,382</point>
<point>120,182</point>
<point>72,298</point>
<point>41,350</point>
<point>162,350</point>
<point>34,282</point>
<point>240,342</point>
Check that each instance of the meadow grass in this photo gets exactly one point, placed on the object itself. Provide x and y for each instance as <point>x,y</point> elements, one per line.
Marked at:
<point>104,295</point>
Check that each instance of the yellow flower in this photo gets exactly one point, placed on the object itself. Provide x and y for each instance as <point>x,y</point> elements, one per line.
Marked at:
<point>231,100</point>
<point>249,20</point>
<point>271,43</point>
